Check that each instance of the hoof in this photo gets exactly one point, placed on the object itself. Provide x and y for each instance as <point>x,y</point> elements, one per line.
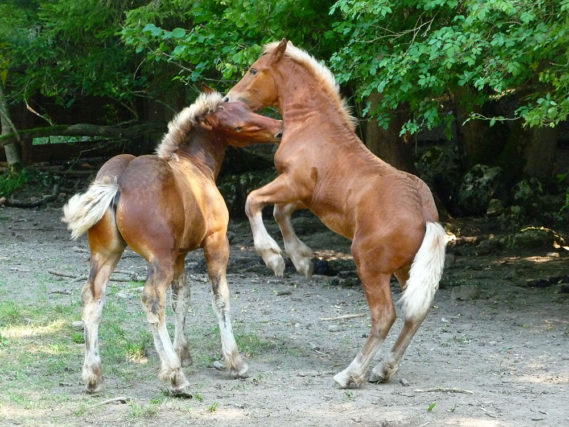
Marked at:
<point>374,377</point>
<point>381,374</point>
<point>344,380</point>
<point>92,375</point>
<point>276,264</point>
<point>183,393</point>
<point>305,266</point>
<point>237,372</point>
<point>92,388</point>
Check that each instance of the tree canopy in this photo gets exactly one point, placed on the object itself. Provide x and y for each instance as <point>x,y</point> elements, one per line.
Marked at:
<point>417,53</point>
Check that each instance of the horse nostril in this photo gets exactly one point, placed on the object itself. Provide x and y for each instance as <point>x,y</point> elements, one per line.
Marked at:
<point>226,99</point>
<point>279,135</point>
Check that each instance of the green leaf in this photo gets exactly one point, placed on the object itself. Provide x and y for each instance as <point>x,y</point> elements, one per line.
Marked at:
<point>178,33</point>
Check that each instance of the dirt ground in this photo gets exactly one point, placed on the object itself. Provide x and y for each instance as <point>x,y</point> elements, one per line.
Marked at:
<point>494,350</point>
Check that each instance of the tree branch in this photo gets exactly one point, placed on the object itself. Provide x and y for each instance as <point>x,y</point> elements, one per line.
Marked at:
<point>85,129</point>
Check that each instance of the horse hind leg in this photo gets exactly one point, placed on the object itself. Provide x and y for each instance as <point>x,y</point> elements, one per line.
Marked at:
<point>419,284</point>
<point>216,251</point>
<point>378,295</point>
<point>161,274</point>
<point>180,305</point>
<point>106,249</point>
<point>297,250</point>
<point>384,370</point>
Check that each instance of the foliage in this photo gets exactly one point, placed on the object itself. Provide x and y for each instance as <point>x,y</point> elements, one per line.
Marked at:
<point>424,54</point>
<point>11,182</point>
<point>216,40</point>
<point>65,50</point>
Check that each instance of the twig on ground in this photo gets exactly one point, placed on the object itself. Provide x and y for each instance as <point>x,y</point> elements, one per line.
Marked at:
<point>443,390</point>
<point>60,274</point>
<point>62,292</point>
<point>345,316</point>
<point>490,414</point>
<point>120,399</point>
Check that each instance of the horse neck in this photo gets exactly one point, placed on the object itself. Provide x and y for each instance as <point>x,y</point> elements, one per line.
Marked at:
<point>205,150</point>
<point>303,95</point>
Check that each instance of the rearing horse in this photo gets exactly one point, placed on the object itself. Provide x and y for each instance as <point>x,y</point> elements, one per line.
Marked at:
<point>390,215</point>
<point>164,206</point>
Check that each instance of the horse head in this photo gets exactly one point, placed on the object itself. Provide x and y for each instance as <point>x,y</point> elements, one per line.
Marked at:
<point>239,126</point>
<point>257,88</point>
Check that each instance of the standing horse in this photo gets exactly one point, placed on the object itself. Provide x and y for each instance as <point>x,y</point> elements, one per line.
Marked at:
<point>390,215</point>
<point>164,206</point>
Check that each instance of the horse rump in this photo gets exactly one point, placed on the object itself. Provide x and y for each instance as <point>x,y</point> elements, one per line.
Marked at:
<point>84,210</point>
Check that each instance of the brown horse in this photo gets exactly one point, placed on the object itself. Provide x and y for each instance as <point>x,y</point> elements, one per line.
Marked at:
<point>390,215</point>
<point>164,206</point>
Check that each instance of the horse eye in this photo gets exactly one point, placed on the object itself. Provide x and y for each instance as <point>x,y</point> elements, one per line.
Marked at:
<point>253,71</point>
<point>238,129</point>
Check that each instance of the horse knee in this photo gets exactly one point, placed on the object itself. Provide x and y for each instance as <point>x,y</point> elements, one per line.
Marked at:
<point>86,294</point>
<point>154,304</point>
<point>382,324</point>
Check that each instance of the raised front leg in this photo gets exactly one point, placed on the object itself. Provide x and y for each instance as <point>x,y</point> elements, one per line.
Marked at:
<point>299,253</point>
<point>216,251</point>
<point>180,305</point>
<point>279,191</point>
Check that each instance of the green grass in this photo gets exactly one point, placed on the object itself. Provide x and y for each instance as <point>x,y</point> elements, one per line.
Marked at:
<point>41,356</point>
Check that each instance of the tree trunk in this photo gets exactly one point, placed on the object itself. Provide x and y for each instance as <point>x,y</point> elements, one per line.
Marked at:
<point>386,143</point>
<point>12,149</point>
<point>540,152</point>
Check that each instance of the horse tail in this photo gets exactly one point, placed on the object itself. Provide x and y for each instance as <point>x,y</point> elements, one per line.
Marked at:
<point>84,210</point>
<point>425,273</point>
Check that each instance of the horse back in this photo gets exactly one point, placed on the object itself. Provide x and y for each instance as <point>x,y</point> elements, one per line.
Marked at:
<point>156,215</point>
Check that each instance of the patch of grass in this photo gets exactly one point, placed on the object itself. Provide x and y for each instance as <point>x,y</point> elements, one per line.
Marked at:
<point>251,345</point>
<point>143,411</point>
<point>9,313</point>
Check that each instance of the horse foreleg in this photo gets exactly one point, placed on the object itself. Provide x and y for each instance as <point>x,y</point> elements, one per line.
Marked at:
<point>154,302</point>
<point>216,251</point>
<point>279,191</point>
<point>298,251</point>
<point>180,305</point>
<point>382,310</point>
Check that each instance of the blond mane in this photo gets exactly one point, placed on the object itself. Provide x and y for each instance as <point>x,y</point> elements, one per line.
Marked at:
<point>184,121</point>
<point>322,74</point>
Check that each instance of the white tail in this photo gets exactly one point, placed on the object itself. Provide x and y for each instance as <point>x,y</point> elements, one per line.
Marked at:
<point>84,210</point>
<point>425,273</point>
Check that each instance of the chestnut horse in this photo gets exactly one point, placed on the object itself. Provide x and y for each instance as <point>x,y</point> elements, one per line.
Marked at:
<point>164,206</point>
<point>389,215</point>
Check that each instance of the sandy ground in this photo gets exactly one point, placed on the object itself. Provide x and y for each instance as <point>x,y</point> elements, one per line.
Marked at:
<point>492,352</point>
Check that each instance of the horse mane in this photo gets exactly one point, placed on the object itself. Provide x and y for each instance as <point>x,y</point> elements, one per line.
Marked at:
<point>322,74</point>
<point>184,121</point>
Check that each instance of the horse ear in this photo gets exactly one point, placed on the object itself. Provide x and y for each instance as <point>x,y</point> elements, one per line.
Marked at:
<point>207,122</point>
<point>207,89</point>
<point>280,50</point>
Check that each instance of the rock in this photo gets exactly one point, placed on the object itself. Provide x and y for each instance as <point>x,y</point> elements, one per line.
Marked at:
<point>465,292</point>
<point>78,325</point>
<point>531,238</point>
<point>495,208</point>
<point>477,188</point>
